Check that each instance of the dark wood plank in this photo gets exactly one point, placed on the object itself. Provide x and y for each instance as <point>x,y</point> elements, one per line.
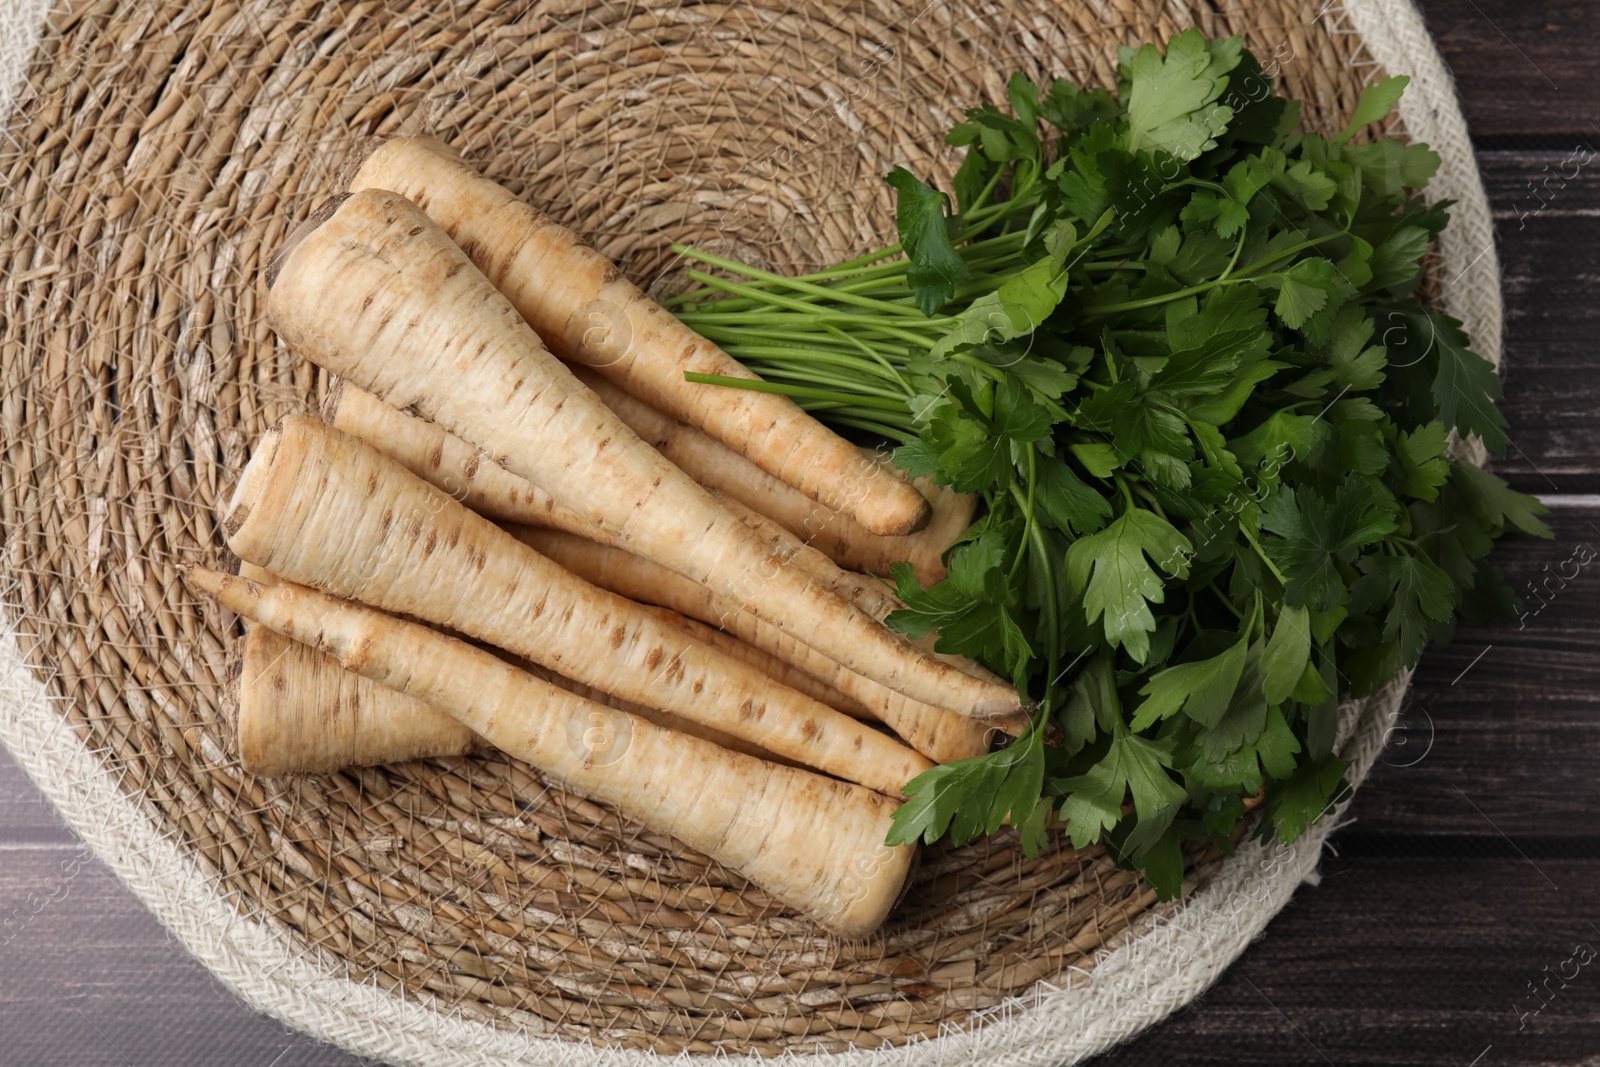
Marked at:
<point>1404,961</point>
<point>1521,68</point>
<point>1547,217</point>
<point>88,976</point>
<point>1501,726</point>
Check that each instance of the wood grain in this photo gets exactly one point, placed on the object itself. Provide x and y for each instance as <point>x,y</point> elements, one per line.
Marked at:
<point>1547,217</point>
<point>1403,961</point>
<point>1522,68</point>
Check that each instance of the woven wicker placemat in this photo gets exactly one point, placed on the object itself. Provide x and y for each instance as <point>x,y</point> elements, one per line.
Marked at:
<point>160,154</point>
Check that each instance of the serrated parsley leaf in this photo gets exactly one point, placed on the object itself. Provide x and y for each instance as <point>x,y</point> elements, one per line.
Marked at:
<point>936,267</point>
<point>1016,308</point>
<point>1287,652</point>
<point>1354,362</point>
<point>1172,99</point>
<point>1466,386</point>
<point>1070,109</point>
<point>1202,689</point>
<point>1318,536</point>
<point>1390,167</point>
<point>917,458</point>
<point>1109,570</point>
<point>1132,764</point>
<point>1396,263</point>
<point>1377,100</point>
<point>971,610</point>
<point>1069,504</point>
<point>1423,468</point>
<point>1098,458</point>
<point>1293,805</point>
<point>1417,594</point>
<point>1496,503</point>
<point>1303,290</point>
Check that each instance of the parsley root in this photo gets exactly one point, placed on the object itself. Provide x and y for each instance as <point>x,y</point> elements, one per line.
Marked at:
<point>299,712</point>
<point>449,463</point>
<point>319,507</point>
<point>377,293</point>
<point>937,733</point>
<point>834,533</point>
<point>813,842</point>
<point>578,302</point>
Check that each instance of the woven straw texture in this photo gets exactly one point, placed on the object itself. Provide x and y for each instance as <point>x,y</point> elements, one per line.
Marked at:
<point>464,910</point>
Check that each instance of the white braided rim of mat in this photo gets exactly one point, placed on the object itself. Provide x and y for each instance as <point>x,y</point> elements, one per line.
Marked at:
<point>1170,955</point>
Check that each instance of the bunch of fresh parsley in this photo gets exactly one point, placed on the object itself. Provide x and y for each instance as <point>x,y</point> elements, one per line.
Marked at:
<point>1178,349</point>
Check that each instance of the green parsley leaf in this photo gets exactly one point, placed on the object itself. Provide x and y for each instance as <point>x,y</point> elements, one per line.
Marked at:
<point>1172,99</point>
<point>936,268</point>
<point>1286,655</point>
<point>1418,593</point>
<point>1069,504</point>
<point>1377,100</point>
<point>1293,805</point>
<point>1099,459</point>
<point>1421,460</point>
<point>1109,570</point>
<point>1303,290</point>
<point>1202,689</point>
<point>1319,536</point>
<point>1132,764</point>
<point>1016,308</point>
<point>1497,504</point>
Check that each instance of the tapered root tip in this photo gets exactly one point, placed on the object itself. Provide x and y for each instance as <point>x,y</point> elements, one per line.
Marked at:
<point>904,518</point>
<point>999,711</point>
<point>330,403</point>
<point>920,517</point>
<point>1013,725</point>
<point>368,171</point>
<point>200,579</point>
<point>323,213</point>
<point>247,491</point>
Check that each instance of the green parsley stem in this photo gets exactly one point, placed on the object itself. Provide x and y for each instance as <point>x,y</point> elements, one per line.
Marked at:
<point>1246,274</point>
<point>1041,552</point>
<point>1027,507</point>
<point>858,324</point>
<point>812,356</point>
<point>977,364</point>
<point>973,220</point>
<point>1212,585</point>
<point>1127,491</point>
<point>903,434</point>
<point>846,384</point>
<point>880,307</point>
<point>788,283</point>
<point>762,386</point>
<point>1250,536</point>
<point>1244,232</point>
<point>988,187</point>
<point>871,353</point>
<point>1156,301</point>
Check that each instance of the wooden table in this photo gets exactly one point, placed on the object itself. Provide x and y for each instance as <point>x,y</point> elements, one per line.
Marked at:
<point>1470,866</point>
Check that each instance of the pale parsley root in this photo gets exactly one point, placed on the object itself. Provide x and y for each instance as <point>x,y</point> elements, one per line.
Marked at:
<point>1179,350</point>
<point>376,292</point>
